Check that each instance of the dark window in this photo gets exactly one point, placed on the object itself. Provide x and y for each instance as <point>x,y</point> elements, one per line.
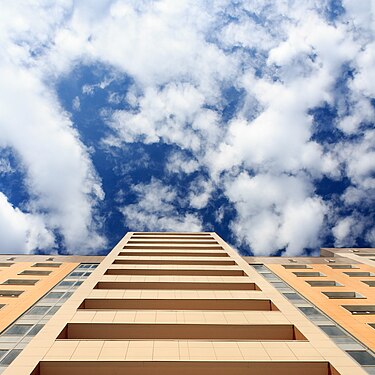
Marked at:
<point>360,309</point>
<point>332,331</point>
<point>293,297</point>
<point>33,331</point>
<point>343,295</point>
<point>18,329</point>
<point>308,274</point>
<point>54,295</point>
<point>35,273</point>
<point>49,265</point>
<point>20,282</point>
<point>322,283</point>
<point>363,357</point>
<point>66,283</point>
<point>10,293</point>
<point>311,312</point>
<point>359,274</point>
<point>38,310</point>
<point>76,274</point>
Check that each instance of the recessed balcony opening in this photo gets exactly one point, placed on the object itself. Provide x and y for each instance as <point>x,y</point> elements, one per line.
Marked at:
<point>183,368</point>
<point>178,304</point>
<point>175,286</point>
<point>10,293</point>
<point>35,273</point>
<point>309,274</point>
<point>343,295</point>
<point>296,266</point>
<point>360,309</point>
<point>48,265</point>
<point>342,266</point>
<point>220,332</point>
<point>173,254</point>
<point>317,283</point>
<point>174,272</point>
<point>191,262</point>
<point>6,264</point>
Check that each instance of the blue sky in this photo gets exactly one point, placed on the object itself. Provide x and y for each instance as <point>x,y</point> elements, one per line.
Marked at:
<point>253,119</point>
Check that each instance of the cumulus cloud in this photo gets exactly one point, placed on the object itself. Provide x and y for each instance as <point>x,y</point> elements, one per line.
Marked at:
<point>156,210</point>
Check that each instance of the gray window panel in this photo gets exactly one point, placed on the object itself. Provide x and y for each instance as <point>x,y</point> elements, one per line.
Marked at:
<point>66,283</point>
<point>33,331</point>
<point>363,357</point>
<point>360,309</point>
<point>94,265</point>
<point>270,276</point>
<point>295,266</point>
<point>87,274</point>
<point>333,331</point>
<point>258,267</point>
<point>309,274</point>
<point>369,282</point>
<point>343,295</point>
<point>360,274</point>
<point>279,284</point>
<point>2,353</point>
<point>38,310</point>
<point>342,266</point>
<point>10,357</point>
<point>293,297</point>
<point>20,282</point>
<point>18,329</point>
<point>78,283</point>
<point>35,273</point>
<point>84,266</point>
<point>48,265</point>
<point>53,310</point>
<point>54,295</point>
<point>76,274</point>
<point>317,283</point>
<point>10,293</point>
<point>312,313</point>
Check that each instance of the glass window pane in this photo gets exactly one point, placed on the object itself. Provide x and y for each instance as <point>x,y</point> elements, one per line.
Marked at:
<point>362,357</point>
<point>10,357</point>
<point>38,310</point>
<point>18,329</point>
<point>33,331</point>
<point>332,331</point>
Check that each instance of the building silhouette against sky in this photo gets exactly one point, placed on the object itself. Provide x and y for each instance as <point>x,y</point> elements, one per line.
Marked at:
<point>187,303</point>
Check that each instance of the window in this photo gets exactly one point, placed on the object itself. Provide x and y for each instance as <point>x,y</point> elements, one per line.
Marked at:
<point>10,357</point>
<point>322,283</point>
<point>308,274</point>
<point>18,329</point>
<point>342,266</point>
<point>359,274</point>
<point>6,264</point>
<point>369,282</point>
<point>10,293</point>
<point>55,265</point>
<point>343,295</point>
<point>35,273</point>
<point>76,274</point>
<point>66,283</point>
<point>363,357</point>
<point>312,313</point>
<point>2,353</point>
<point>20,282</point>
<point>35,330</point>
<point>38,310</point>
<point>333,331</point>
<point>293,297</point>
<point>360,309</point>
<point>295,266</point>
<point>54,295</point>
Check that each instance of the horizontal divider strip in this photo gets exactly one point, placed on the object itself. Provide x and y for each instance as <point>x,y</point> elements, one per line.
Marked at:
<point>183,368</point>
<point>192,262</point>
<point>173,254</point>
<point>173,242</point>
<point>175,285</point>
<point>133,331</point>
<point>175,247</point>
<point>171,234</point>
<point>178,304</point>
<point>173,271</point>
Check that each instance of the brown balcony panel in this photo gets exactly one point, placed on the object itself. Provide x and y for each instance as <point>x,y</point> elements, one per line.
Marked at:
<point>133,331</point>
<point>172,254</point>
<point>173,247</point>
<point>175,286</point>
<point>178,304</point>
<point>191,262</point>
<point>183,368</point>
<point>173,272</point>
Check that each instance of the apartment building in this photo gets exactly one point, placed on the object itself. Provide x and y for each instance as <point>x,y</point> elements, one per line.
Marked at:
<point>167,303</point>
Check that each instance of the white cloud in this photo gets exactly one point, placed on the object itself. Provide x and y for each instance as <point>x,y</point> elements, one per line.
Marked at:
<point>21,232</point>
<point>156,210</point>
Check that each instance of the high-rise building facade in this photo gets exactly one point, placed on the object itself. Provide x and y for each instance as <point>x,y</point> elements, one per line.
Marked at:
<point>167,303</point>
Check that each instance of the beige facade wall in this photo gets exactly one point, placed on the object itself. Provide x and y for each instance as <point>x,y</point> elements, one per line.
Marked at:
<point>179,302</point>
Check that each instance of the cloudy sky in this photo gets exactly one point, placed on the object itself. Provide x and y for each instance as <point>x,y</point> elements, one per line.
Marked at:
<point>254,119</point>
